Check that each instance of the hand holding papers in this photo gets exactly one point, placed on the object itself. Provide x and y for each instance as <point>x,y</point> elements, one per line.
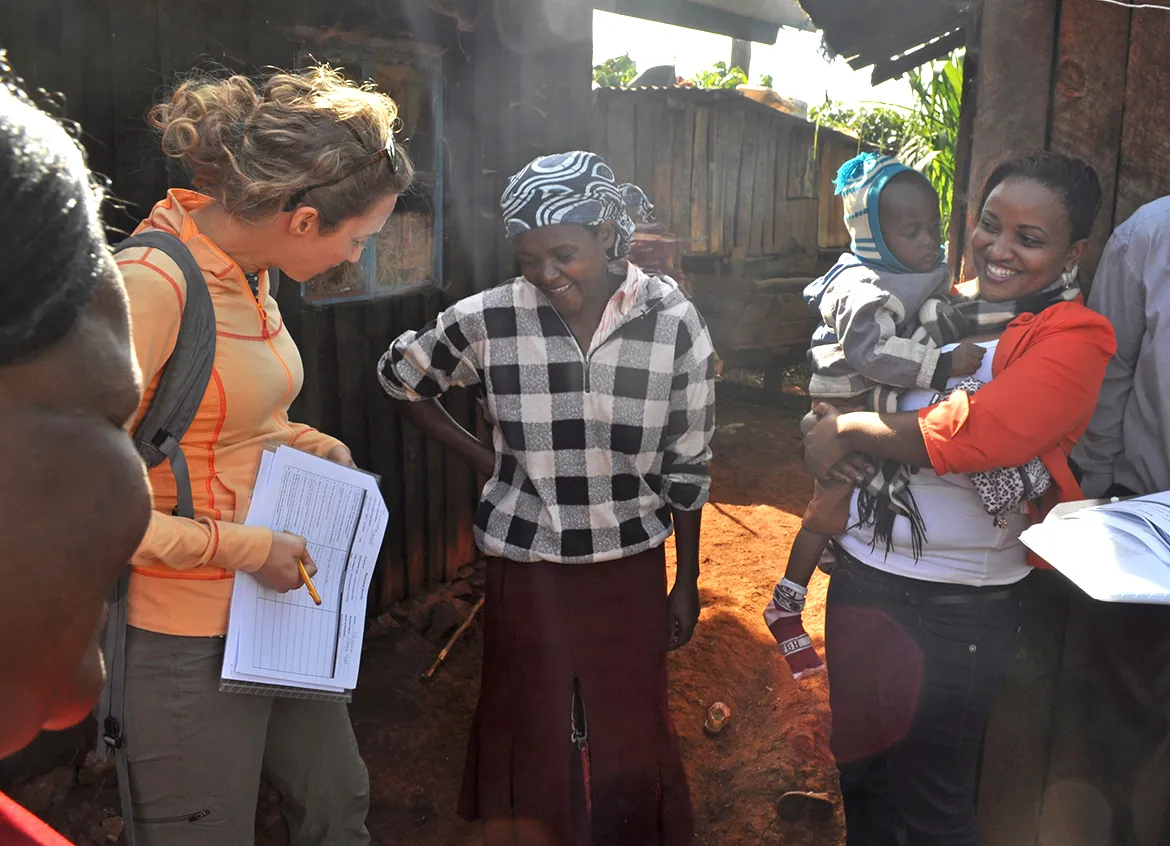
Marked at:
<point>1114,552</point>
<point>286,643</point>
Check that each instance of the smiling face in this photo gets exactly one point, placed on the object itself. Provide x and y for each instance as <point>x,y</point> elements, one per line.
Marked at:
<point>908,213</point>
<point>1023,240</point>
<point>568,263</point>
<point>306,253</point>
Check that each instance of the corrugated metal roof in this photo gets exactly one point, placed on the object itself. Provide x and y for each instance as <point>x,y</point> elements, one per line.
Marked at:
<point>780,12</point>
<point>882,32</point>
<point>752,20</point>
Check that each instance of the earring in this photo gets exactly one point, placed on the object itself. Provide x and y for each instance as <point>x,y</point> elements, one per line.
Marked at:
<point>1069,277</point>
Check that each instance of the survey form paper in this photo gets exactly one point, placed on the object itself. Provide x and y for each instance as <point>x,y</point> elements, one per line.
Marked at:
<point>1113,551</point>
<point>285,639</point>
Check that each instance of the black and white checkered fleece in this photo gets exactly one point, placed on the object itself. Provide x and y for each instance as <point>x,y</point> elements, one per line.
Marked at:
<point>592,451</point>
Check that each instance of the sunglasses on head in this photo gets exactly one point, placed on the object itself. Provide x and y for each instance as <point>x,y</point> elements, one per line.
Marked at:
<point>389,152</point>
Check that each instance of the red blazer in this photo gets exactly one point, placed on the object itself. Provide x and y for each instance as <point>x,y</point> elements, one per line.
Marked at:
<point>1048,370</point>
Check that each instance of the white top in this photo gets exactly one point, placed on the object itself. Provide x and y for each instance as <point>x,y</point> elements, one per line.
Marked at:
<point>963,545</point>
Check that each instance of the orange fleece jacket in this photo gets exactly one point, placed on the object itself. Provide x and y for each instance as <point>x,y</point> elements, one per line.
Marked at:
<point>181,577</point>
<point>1048,370</point>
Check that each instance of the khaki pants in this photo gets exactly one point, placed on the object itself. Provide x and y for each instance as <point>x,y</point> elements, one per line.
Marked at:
<point>196,755</point>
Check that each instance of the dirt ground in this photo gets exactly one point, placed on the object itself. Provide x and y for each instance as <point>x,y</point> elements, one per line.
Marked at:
<point>412,732</point>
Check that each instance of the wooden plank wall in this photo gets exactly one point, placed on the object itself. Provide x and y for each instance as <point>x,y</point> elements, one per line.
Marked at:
<point>1014,44</point>
<point>513,90</point>
<point>1081,78</point>
<point>1144,170</point>
<point>1092,56</point>
<point>1014,82</point>
<point>834,150</point>
<point>732,178</point>
<point>1088,102</point>
<point>1088,85</point>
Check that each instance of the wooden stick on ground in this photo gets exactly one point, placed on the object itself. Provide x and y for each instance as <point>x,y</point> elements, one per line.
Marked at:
<point>450,643</point>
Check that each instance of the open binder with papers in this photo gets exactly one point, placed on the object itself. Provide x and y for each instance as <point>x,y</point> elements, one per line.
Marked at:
<point>284,644</point>
<point>1113,551</point>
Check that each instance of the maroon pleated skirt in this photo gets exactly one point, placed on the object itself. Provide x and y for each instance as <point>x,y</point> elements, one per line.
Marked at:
<point>574,650</point>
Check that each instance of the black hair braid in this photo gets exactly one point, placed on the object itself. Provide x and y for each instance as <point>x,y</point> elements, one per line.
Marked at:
<point>1073,179</point>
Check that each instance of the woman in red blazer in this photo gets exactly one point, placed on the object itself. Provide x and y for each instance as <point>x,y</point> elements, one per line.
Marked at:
<point>919,631</point>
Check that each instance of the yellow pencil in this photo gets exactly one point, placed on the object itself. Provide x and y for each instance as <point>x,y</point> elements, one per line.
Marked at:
<point>308,582</point>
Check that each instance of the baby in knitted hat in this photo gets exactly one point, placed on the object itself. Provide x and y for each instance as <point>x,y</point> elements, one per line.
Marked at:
<point>885,313</point>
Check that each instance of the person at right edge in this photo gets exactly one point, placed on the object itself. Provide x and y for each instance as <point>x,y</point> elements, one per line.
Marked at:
<point>1126,452</point>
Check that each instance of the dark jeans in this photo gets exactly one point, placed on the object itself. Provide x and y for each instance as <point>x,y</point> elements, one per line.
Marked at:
<point>1129,717</point>
<point>914,668</point>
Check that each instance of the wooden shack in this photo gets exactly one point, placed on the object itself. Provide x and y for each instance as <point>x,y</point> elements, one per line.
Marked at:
<point>747,191</point>
<point>1089,79</point>
<point>483,88</point>
<point>746,187</point>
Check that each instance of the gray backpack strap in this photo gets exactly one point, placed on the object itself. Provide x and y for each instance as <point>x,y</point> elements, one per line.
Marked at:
<point>180,389</point>
<point>186,374</point>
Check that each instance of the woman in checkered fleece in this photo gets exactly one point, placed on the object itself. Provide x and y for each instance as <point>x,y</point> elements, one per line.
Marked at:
<point>598,381</point>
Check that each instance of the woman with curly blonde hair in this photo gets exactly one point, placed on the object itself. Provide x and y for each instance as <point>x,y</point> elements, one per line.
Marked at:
<point>294,172</point>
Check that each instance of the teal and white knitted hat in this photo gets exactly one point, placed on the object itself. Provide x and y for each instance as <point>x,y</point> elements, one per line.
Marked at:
<point>859,183</point>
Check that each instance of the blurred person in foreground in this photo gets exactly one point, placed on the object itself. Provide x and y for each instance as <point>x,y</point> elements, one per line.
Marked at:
<point>74,501</point>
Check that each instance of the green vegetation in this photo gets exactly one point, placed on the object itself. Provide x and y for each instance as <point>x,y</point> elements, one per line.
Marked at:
<point>881,126</point>
<point>923,136</point>
<point>619,71</point>
<point>933,127</point>
<point>720,76</point>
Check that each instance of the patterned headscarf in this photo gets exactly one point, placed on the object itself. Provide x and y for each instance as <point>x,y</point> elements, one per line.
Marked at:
<point>575,187</point>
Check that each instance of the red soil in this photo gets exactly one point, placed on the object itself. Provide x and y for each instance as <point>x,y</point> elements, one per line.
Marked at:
<point>412,733</point>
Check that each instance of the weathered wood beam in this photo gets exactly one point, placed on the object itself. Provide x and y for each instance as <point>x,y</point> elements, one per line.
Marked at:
<point>1015,62</point>
<point>1088,102</point>
<point>1144,173</point>
<point>1014,85</point>
<point>961,199</point>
